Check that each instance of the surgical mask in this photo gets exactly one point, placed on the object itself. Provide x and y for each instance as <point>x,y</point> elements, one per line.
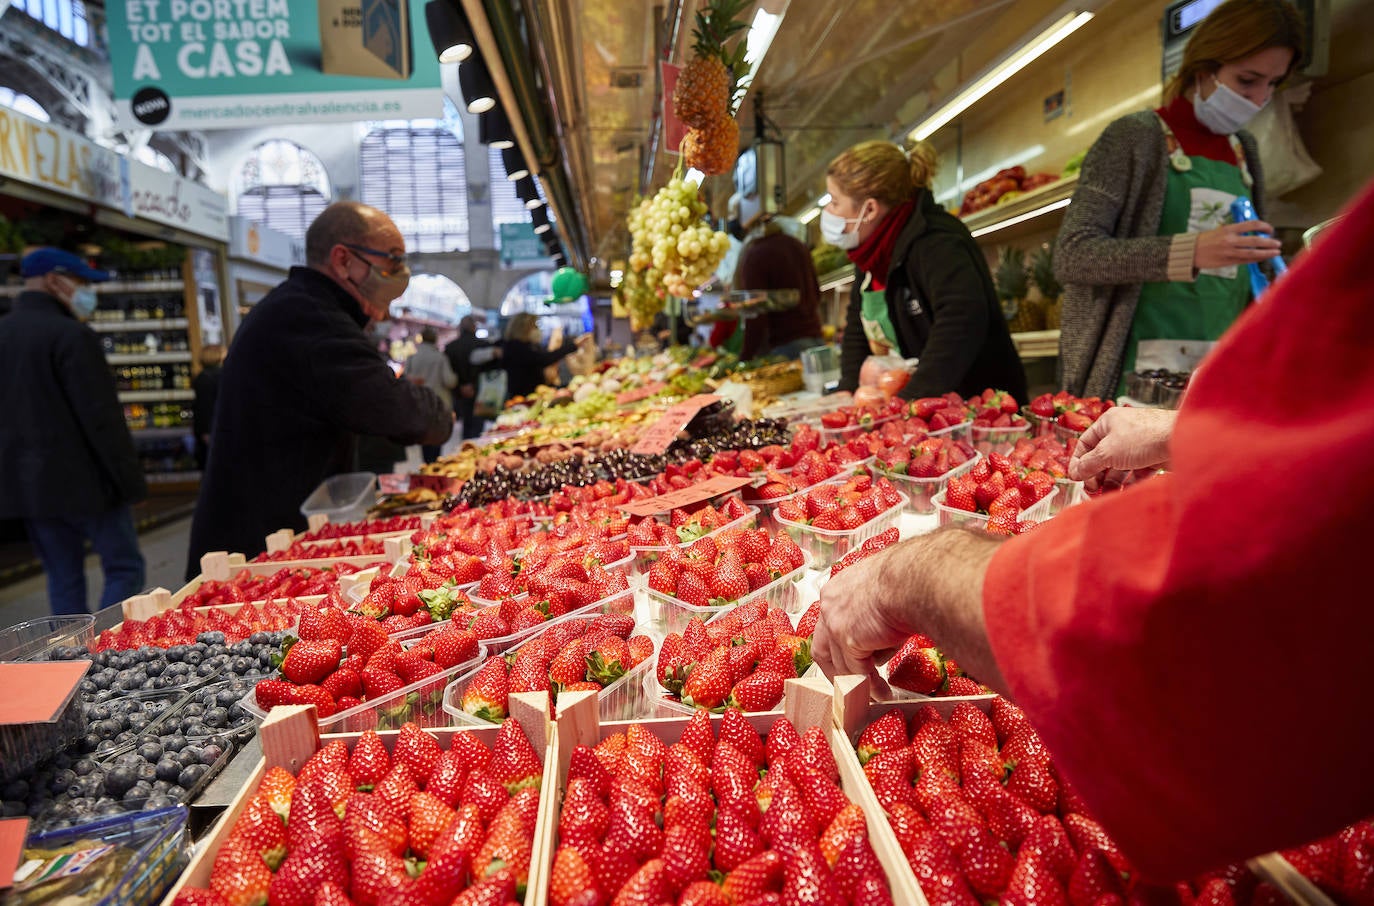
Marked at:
<point>833,229</point>
<point>382,290</point>
<point>1224,111</point>
<point>83,301</point>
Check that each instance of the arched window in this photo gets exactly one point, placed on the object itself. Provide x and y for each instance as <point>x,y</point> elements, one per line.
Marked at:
<point>432,297</point>
<point>18,101</point>
<point>283,186</point>
<point>66,17</point>
<point>414,171</point>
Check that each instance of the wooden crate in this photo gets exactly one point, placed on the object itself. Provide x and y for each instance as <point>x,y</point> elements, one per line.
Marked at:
<point>318,521</point>
<point>290,735</point>
<point>222,566</point>
<point>806,703</point>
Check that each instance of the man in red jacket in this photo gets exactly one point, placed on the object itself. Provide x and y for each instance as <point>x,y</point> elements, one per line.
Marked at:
<point>1196,649</point>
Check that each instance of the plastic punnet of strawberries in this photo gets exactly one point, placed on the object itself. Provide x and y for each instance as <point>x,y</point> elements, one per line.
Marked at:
<point>996,409</point>
<point>1070,412</point>
<point>741,659</point>
<point>585,654</point>
<point>181,626</point>
<point>996,488</point>
<point>682,527</point>
<point>417,825</point>
<point>982,814</point>
<point>936,413</point>
<point>722,568</point>
<point>842,506</point>
<point>639,812</point>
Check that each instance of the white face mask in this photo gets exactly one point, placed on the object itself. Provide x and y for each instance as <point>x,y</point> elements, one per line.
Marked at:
<point>834,230</point>
<point>1224,111</point>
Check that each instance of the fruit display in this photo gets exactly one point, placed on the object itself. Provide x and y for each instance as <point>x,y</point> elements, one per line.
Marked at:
<point>331,530</point>
<point>1005,186</point>
<point>1342,865</point>
<point>184,625</point>
<point>681,527</point>
<point>785,831</point>
<point>416,824</point>
<point>564,576</point>
<point>879,542</point>
<point>591,653</point>
<point>1067,411</point>
<point>831,519</point>
<point>673,243</point>
<point>501,483</point>
<point>723,567</point>
<point>703,98</point>
<point>983,815</point>
<point>288,582</point>
<point>330,550</point>
<point>740,659</point>
<point>939,413</point>
<point>997,421</point>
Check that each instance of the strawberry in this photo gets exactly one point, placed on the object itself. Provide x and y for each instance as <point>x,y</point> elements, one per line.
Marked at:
<point>649,886</point>
<point>754,878</point>
<point>1030,779</point>
<point>487,691</point>
<point>343,683</point>
<point>309,662</point>
<point>1086,834</point>
<point>761,691</point>
<point>496,889</point>
<point>379,681</point>
<point>453,647</point>
<point>370,821</point>
<point>312,815</point>
<point>369,761</point>
<point>261,831</point>
<point>707,685</point>
<point>693,590</point>
<point>848,825</point>
<point>272,692</point>
<point>192,896</point>
<point>514,763</point>
<point>374,871</point>
<point>396,789</point>
<point>418,750</point>
<point>1032,882</point>
<point>916,666</point>
<point>1008,817</point>
<point>686,854</point>
<point>807,878</point>
<point>1093,878</point>
<point>703,893</point>
<point>319,860</point>
<point>987,866</point>
<point>239,874</point>
<point>572,882</point>
<point>886,734</point>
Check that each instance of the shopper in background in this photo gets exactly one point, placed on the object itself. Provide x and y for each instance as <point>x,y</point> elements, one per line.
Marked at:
<point>1168,641</point>
<point>429,367</point>
<point>525,356</point>
<point>67,462</point>
<point>206,387</point>
<point>304,380</point>
<point>470,356</point>
<point>770,261</point>
<point>922,287</point>
<point>1147,254</point>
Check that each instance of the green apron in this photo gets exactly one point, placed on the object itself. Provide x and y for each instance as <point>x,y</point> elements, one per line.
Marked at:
<point>735,342</point>
<point>877,323</point>
<point>1176,323</point>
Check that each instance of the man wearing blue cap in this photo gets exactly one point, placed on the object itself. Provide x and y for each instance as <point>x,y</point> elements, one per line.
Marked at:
<point>67,463</point>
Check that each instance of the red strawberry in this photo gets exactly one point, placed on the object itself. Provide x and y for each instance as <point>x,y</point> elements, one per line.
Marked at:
<point>572,882</point>
<point>938,873</point>
<point>318,861</point>
<point>1030,779</point>
<point>453,647</point>
<point>418,751</point>
<point>1033,884</point>
<point>261,830</point>
<point>754,878</point>
<point>239,874</point>
<point>1086,834</point>
<point>1093,878</point>
<point>343,683</point>
<point>886,734</point>
<point>703,893</point>
<point>379,682</point>
<point>761,691</point>
<point>807,878</point>
<point>916,666</point>
<point>429,816</point>
<point>707,685</point>
<point>192,896</point>
<point>987,865</point>
<point>514,762</point>
<point>487,691</point>
<point>309,662</point>
<point>272,692</point>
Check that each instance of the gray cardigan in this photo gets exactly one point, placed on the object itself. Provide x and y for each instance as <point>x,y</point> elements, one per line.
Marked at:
<point>1109,246</point>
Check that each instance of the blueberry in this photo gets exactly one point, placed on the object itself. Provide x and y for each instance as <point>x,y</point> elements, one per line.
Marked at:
<point>84,766</point>
<point>158,800</point>
<point>138,792</point>
<point>259,638</point>
<point>194,657</point>
<point>147,772</point>
<point>217,718</point>
<point>120,780</point>
<point>210,754</point>
<point>174,743</point>
<point>168,769</point>
<point>192,775</point>
<point>211,638</point>
<point>176,653</point>
<point>228,698</point>
<point>188,756</point>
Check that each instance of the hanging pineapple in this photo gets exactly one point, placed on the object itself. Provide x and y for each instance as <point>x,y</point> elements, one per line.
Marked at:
<point>1012,287</point>
<point>702,97</point>
<point>1051,292</point>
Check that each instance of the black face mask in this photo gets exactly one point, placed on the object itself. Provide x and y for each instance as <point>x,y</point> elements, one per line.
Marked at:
<point>736,229</point>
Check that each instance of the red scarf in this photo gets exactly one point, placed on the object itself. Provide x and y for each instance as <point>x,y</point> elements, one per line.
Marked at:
<point>1196,139</point>
<point>874,254</point>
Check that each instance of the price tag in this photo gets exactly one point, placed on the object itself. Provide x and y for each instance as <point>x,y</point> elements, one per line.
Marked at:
<point>685,497</point>
<point>624,398</point>
<point>664,431</point>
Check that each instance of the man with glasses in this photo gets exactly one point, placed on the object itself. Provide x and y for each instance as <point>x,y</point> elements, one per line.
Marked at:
<point>302,381</point>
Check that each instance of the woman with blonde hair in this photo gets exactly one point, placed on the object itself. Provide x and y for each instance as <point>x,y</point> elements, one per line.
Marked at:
<point>922,287</point>
<point>1153,268</point>
<point>526,357</point>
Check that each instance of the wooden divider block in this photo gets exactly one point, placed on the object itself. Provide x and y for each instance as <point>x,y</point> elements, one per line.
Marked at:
<point>221,565</point>
<point>316,521</point>
<point>142,607</point>
<point>289,736</point>
<point>397,549</point>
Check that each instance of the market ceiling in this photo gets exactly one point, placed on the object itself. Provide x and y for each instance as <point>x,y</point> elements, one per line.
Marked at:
<point>835,73</point>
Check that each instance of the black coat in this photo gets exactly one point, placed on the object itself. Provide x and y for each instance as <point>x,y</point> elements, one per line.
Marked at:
<point>459,354</point>
<point>301,381</point>
<point>525,364</point>
<point>942,303</point>
<point>65,449</point>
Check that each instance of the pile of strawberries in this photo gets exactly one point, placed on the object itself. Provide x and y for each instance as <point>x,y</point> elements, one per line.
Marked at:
<point>812,469</point>
<point>881,541</point>
<point>363,527</point>
<point>741,659</point>
<point>1068,411</point>
<point>982,814</point>
<point>937,413</point>
<point>181,625</point>
<point>683,527</point>
<point>930,457</point>
<point>999,490</point>
<point>1042,454</point>
<point>609,494</point>
<point>720,569</point>
<point>419,825</point>
<point>288,582</point>
<point>462,541</point>
<point>996,409</point>
<point>565,579</point>
<point>848,418</point>
<point>326,550</point>
<point>920,667</point>
<point>342,661</point>
<point>638,818</point>
<point>841,506</point>
<point>582,654</point>
<point>1342,864</point>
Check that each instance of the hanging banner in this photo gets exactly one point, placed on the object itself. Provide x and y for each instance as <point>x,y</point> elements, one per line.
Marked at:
<point>54,158</point>
<point>222,64</point>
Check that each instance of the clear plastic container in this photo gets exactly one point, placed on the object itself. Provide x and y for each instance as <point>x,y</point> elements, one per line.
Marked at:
<point>1040,425</point>
<point>24,745</point>
<point>1066,436</point>
<point>998,440</point>
<point>420,702</point>
<point>844,435</point>
<point>825,547</point>
<point>919,491</point>
<point>1070,492</point>
<point>159,839</point>
<point>620,602</point>
<point>662,704</point>
<point>666,613</point>
<point>646,557</point>
<point>961,431</point>
<point>343,498</point>
<point>33,640</point>
<point>1036,512</point>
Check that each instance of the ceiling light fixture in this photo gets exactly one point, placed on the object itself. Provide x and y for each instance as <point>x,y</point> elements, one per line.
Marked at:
<point>449,30</point>
<point>983,85</point>
<point>514,162</point>
<point>528,192</point>
<point>756,43</point>
<point>493,128</point>
<point>540,219</point>
<point>478,89</point>
<point>810,215</point>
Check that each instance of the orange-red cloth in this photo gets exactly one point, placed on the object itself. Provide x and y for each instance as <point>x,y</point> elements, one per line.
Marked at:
<point>1197,650</point>
<point>1196,139</point>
